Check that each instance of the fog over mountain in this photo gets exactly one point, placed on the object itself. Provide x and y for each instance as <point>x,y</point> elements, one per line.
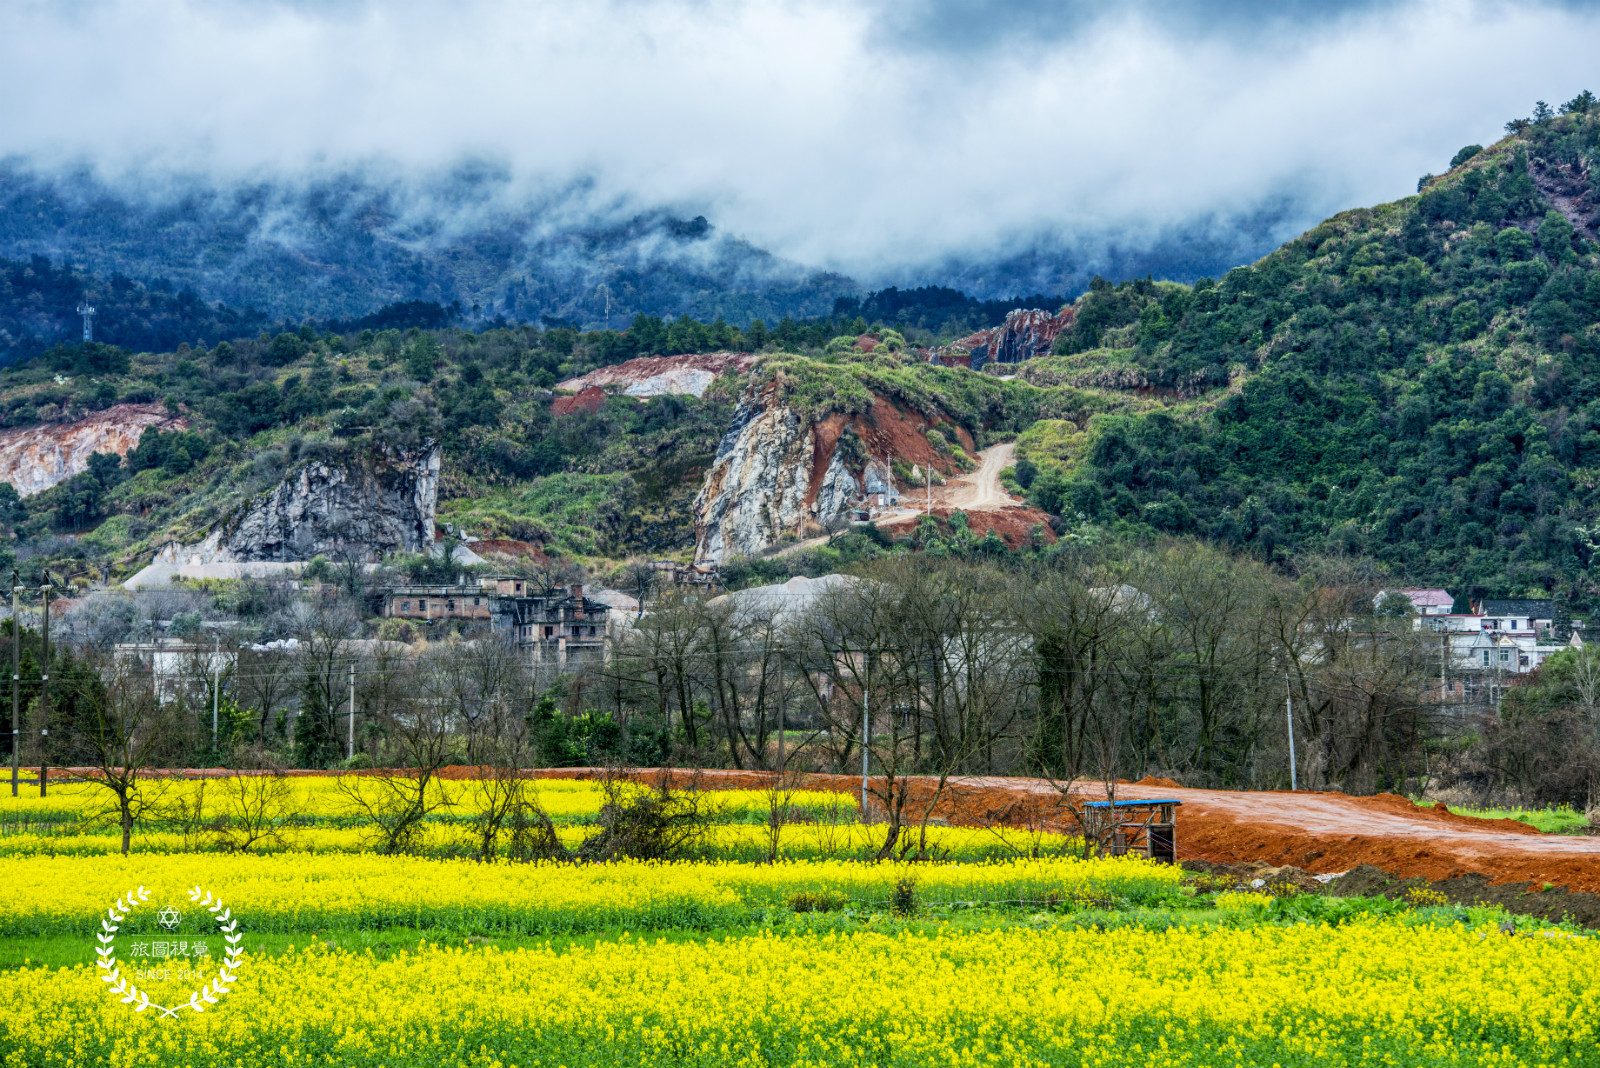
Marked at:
<point>312,157</point>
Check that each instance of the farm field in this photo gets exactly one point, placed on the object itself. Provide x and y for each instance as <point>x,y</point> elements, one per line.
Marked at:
<point>995,950</point>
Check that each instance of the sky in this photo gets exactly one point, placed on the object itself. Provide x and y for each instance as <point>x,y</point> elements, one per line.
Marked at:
<point>861,137</point>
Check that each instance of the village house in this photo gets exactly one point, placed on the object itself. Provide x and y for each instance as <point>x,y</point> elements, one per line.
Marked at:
<point>561,626</point>
<point>1535,616</point>
<point>178,667</point>
<point>1505,637</point>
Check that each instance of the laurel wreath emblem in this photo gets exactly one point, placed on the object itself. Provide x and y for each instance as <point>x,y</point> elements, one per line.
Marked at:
<point>198,999</point>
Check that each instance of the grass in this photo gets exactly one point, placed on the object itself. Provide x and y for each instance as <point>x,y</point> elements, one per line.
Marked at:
<point>566,510</point>
<point>1559,819</point>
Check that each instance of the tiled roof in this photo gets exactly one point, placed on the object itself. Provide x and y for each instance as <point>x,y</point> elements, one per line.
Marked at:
<point>1534,609</point>
<point>1428,597</point>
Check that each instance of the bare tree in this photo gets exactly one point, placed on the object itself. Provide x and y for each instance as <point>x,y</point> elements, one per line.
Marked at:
<point>658,660</point>
<point>852,661</point>
<point>394,802</point>
<point>258,810</point>
<point>122,728</point>
<point>325,627</point>
<point>267,680</point>
<point>499,795</point>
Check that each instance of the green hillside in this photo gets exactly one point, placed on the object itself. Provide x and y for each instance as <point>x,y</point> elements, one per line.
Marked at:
<point>1419,381</point>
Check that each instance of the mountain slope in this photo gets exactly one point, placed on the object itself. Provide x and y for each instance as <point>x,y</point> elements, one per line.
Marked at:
<point>1419,381</point>
<point>341,245</point>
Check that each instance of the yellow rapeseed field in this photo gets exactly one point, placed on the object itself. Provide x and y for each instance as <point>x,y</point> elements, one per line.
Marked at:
<point>74,821</point>
<point>319,797</point>
<point>1362,994</point>
<point>296,892</point>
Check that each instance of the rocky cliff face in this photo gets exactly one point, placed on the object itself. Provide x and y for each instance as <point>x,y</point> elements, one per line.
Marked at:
<point>759,485</point>
<point>1026,333</point>
<point>651,376</point>
<point>34,458</point>
<point>774,475</point>
<point>370,509</point>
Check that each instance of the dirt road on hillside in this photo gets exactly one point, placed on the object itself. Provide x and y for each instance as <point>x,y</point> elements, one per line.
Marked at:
<point>979,491</point>
<point>1319,832</point>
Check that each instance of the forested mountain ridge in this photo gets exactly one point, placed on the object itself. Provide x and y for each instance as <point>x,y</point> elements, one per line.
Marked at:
<point>333,246</point>
<point>1419,381</point>
<point>337,246</point>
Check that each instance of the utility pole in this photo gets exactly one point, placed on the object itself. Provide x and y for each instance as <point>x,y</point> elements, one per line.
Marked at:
<point>44,693</point>
<point>352,751</point>
<point>866,733</point>
<point>1444,655</point>
<point>1288,712</point>
<point>16,681</point>
<point>216,687</point>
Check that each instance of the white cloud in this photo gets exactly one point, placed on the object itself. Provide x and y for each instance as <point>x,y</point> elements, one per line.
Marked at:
<point>828,132</point>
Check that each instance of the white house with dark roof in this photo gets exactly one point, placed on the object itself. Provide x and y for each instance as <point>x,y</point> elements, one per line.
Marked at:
<point>1517,615</point>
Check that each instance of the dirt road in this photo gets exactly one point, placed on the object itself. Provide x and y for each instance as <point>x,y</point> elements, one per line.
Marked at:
<point>1330,832</point>
<point>979,491</point>
<point>1319,832</point>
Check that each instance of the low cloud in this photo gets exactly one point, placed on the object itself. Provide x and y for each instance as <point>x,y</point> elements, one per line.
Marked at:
<point>876,139</point>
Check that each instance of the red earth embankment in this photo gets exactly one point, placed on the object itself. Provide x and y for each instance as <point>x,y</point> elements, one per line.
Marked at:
<point>1319,832</point>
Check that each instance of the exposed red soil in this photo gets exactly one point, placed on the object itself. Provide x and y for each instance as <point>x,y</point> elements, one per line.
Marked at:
<point>1014,525</point>
<point>642,368</point>
<point>509,547</point>
<point>34,458</point>
<point>590,399</point>
<point>889,430</point>
<point>1318,832</point>
<point>1024,334</point>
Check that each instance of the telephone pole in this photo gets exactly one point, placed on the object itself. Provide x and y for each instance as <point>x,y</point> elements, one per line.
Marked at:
<point>1288,712</point>
<point>16,681</point>
<point>216,687</point>
<point>44,693</point>
<point>866,732</point>
<point>352,750</point>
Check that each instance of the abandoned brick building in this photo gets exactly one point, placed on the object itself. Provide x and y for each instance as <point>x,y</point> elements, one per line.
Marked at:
<point>559,625</point>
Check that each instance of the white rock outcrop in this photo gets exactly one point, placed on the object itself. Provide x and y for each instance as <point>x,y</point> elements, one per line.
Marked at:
<point>758,486</point>
<point>34,458</point>
<point>365,510</point>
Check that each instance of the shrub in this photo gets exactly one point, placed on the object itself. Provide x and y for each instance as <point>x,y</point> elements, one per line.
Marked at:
<point>817,901</point>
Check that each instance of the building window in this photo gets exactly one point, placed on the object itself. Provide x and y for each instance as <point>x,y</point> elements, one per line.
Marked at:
<point>422,606</point>
<point>450,605</point>
<point>476,601</point>
<point>405,606</point>
<point>549,632</point>
<point>1486,658</point>
<point>1505,657</point>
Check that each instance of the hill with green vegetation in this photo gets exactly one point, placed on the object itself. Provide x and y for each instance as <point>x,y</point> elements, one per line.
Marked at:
<point>1418,382</point>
